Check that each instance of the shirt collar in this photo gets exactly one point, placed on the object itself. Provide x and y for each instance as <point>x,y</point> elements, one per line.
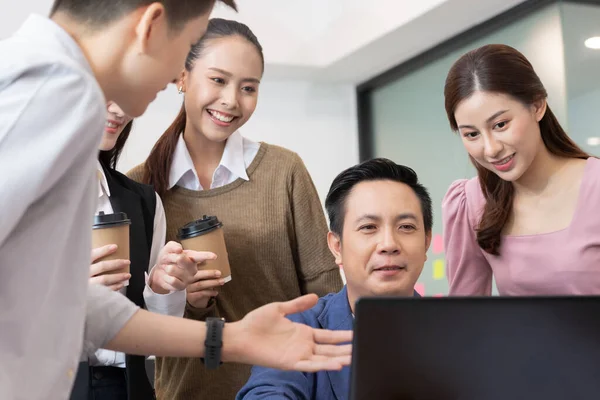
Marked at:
<point>233,156</point>
<point>232,159</point>
<point>102,182</point>
<point>337,314</point>
<point>181,164</point>
<point>43,30</point>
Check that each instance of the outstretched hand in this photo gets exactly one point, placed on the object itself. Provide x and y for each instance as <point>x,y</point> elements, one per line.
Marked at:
<point>267,338</point>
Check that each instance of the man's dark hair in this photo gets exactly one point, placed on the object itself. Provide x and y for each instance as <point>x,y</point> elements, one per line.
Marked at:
<point>98,13</point>
<point>378,169</point>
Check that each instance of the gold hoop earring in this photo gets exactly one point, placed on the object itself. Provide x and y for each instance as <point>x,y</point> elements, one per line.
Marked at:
<point>180,89</point>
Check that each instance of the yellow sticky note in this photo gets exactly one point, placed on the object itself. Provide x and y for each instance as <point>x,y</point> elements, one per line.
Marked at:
<point>439,269</point>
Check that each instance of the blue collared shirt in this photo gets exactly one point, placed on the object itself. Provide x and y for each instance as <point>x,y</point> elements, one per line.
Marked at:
<point>331,312</point>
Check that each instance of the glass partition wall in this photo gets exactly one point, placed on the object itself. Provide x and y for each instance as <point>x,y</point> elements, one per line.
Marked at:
<point>404,118</point>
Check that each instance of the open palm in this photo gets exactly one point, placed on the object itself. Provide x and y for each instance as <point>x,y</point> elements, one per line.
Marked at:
<point>271,340</point>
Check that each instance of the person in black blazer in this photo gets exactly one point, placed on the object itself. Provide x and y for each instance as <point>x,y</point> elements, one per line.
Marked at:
<point>159,273</point>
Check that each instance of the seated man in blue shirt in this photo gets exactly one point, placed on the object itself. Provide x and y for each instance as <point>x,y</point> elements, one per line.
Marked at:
<point>380,229</point>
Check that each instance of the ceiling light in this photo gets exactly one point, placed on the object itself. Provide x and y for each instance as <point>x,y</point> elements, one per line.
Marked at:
<point>593,141</point>
<point>593,42</point>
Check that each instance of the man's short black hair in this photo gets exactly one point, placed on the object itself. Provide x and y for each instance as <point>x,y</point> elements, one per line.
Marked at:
<point>377,169</point>
<point>99,13</point>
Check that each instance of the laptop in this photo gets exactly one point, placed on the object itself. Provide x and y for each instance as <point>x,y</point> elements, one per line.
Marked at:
<point>492,348</point>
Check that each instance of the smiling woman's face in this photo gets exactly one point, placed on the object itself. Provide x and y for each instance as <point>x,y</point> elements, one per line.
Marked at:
<point>221,91</point>
<point>500,133</point>
<point>115,122</point>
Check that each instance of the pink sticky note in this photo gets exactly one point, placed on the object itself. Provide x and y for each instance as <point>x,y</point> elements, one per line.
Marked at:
<point>437,244</point>
<point>438,295</point>
<point>420,288</point>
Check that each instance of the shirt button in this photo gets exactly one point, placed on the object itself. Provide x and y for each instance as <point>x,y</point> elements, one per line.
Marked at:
<point>70,373</point>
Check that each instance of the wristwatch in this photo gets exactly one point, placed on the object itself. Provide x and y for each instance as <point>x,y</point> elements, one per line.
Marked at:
<point>213,342</point>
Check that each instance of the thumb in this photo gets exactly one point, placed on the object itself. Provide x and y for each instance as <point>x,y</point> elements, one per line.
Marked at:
<point>299,304</point>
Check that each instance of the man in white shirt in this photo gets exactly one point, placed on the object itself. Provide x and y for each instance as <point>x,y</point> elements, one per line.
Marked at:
<point>54,78</point>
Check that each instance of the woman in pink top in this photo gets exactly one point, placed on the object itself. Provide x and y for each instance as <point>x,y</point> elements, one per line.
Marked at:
<point>530,218</point>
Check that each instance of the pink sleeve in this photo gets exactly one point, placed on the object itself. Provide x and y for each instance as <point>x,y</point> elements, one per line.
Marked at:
<point>467,269</point>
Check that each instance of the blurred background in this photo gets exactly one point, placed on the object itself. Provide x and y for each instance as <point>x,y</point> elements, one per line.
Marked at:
<point>348,80</point>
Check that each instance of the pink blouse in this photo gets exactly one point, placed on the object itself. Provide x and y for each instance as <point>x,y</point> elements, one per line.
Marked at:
<point>562,262</point>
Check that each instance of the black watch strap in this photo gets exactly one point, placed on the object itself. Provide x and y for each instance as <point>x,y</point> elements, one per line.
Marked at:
<point>213,342</point>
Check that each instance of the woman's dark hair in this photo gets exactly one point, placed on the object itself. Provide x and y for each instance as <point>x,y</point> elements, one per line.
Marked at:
<point>502,69</point>
<point>377,169</point>
<point>158,164</point>
<point>110,157</point>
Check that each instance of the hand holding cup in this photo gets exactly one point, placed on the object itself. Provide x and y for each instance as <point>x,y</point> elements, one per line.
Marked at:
<point>110,273</point>
<point>110,254</point>
<point>206,284</point>
<point>176,268</point>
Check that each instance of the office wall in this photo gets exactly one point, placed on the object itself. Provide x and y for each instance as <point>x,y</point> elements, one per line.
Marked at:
<point>581,22</point>
<point>410,125</point>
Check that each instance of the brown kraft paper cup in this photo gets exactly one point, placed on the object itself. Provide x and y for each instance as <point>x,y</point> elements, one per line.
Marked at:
<point>206,234</point>
<point>112,229</point>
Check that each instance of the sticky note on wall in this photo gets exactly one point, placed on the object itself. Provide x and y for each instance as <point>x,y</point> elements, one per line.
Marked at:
<point>420,288</point>
<point>439,269</point>
<point>437,244</point>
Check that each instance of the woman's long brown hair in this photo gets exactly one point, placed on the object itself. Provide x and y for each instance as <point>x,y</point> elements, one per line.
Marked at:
<point>158,164</point>
<point>502,69</point>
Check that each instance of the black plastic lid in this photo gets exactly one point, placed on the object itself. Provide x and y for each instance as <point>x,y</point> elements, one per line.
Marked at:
<point>199,227</point>
<point>109,220</point>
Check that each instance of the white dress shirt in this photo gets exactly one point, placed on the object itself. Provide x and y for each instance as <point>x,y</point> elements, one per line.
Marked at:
<point>238,154</point>
<point>169,304</point>
<point>52,115</point>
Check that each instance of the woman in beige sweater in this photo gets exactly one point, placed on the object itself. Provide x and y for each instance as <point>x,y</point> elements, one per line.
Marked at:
<point>274,226</point>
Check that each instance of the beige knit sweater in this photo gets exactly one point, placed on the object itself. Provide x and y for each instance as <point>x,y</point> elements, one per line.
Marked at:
<point>275,232</point>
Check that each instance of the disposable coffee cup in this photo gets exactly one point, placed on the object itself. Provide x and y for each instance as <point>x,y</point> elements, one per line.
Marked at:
<point>206,234</point>
<point>112,229</point>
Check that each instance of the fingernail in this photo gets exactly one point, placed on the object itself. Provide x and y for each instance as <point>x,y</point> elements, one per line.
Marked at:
<point>217,273</point>
<point>221,282</point>
<point>113,247</point>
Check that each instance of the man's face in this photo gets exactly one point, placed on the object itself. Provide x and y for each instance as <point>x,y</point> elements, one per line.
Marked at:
<point>384,243</point>
<point>155,57</point>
